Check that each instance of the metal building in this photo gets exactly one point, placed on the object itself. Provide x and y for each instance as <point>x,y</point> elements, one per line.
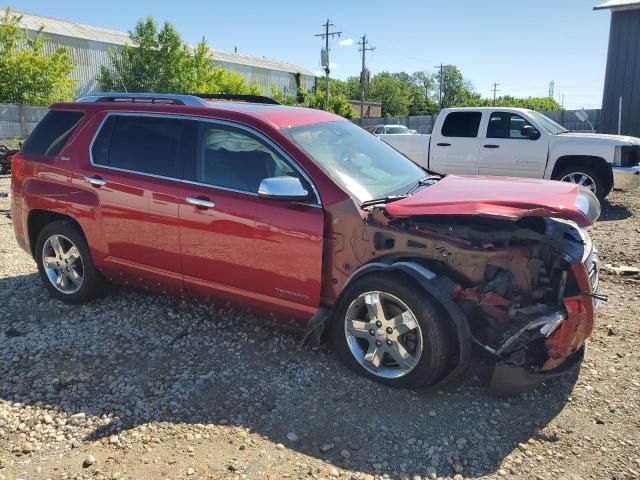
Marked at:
<point>621,98</point>
<point>89,47</point>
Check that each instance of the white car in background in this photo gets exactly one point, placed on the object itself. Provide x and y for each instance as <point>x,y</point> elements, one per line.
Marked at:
<point>518,142</point>
<point>393,130</point>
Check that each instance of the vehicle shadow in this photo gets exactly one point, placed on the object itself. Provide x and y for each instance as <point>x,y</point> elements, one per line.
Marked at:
<point>137,358</point>
<point>613,211</point>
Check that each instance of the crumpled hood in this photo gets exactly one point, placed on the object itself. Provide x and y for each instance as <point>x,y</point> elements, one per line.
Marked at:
<point>500,197</point>
<point>614,139</point>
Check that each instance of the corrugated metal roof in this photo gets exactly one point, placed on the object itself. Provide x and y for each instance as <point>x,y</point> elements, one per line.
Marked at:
<point>618,4</point>
<point>56,26</point>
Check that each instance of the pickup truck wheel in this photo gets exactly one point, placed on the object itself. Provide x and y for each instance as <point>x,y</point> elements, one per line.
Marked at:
<point>585,176</point>
<point>65,264</point>
<point>388,330</point>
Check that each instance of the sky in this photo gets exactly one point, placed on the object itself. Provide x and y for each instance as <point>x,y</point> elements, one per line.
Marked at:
<point>520,45</point>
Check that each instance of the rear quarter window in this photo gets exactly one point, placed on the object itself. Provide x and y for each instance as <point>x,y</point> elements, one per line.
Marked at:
<point>462,124</point>
<point>52,133</point>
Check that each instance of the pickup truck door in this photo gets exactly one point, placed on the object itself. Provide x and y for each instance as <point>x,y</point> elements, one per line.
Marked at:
<point>454,149</point>
<point>505,151</point>
<point>239,247</point>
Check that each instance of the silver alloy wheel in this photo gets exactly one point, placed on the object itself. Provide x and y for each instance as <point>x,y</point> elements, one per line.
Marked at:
<point>580,178</point>
<point>383,334</point>
<point>63,264</point>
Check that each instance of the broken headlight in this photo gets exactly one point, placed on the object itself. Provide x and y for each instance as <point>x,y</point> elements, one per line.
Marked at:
<point>588,204</point>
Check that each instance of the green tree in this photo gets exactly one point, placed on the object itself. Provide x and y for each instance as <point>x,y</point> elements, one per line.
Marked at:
<point>159,61</point>
<point>29,73</point>
<point>286,99</point>
<point>424,100</point>
<point>338,101</point>
<point>541,104</point>
<point>455,89</point>
<point>388,88</point>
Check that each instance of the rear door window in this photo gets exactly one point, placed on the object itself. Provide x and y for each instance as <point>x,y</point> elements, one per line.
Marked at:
<point>52,133</point>
<point>145,144</point>
<point>462,124</point>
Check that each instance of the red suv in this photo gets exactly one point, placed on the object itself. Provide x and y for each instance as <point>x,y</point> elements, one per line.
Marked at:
<point>305,217</point>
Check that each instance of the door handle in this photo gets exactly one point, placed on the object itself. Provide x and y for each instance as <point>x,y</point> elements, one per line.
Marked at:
<point>200,202</point>
<point>491,146</point>
<point>95,181</point>
<point>444,144</point>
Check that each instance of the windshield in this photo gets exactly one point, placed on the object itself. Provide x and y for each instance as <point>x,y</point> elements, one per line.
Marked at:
<point>363,165</point>
<point>549,125</point>
<point>396,130</point>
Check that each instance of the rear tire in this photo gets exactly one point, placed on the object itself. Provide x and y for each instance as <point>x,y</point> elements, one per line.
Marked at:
<point>405,344</point>
<point>590,177</point>
<point>65,264</point>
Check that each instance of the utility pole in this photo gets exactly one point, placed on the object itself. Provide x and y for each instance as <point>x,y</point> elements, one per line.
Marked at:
<point>440,88</point>
<point>325,55</point>
<point>552,85</point>
<point>495,89</point>
<point>364,74</point>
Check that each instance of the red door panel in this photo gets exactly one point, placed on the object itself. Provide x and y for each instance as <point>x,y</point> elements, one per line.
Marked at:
<point>139,220</point>
<point>260,252</point>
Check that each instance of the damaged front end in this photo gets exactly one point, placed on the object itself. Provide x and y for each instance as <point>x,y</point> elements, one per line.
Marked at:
<point>528,290</point>
<point>526,284</point>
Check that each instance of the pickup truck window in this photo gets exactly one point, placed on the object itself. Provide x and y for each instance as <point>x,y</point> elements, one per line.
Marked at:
<point>231,158</point>
<point>145,144</point>
<point>461,124</point>
<point>363,165</point>
<point>52,133</point>
<point>506,125</point>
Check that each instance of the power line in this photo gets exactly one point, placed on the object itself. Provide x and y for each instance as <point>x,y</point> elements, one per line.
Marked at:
<point>325,55</point>
<point>495,89</point>
<point>552,85</point>
<point>364,73</point>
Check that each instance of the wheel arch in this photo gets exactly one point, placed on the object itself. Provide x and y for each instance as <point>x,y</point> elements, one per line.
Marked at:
<point>38,219</point>
<point>594,161</point>
<point>439,288</point>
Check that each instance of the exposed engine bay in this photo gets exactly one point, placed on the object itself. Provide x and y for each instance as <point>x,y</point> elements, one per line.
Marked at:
<point>512,281</point>
<point>526,287</point>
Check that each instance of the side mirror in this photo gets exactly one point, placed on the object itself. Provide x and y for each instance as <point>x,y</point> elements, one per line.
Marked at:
<point>529,132</point>
<point>283,188</point>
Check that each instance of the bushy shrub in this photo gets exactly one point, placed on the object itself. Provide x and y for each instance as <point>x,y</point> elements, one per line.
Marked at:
<point>29,74</point>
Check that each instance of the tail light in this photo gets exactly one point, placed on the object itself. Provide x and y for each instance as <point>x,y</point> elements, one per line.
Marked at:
<point>17,170</point>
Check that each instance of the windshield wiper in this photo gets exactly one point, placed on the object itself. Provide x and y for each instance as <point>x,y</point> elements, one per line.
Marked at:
<point>422,182</point>
<point>378,201</point>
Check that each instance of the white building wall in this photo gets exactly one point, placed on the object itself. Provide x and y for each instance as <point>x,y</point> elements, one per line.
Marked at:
<point>89,55</point>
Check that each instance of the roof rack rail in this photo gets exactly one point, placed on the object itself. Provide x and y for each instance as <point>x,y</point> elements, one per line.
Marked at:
<point>238,98</point>
<point>158,98</point>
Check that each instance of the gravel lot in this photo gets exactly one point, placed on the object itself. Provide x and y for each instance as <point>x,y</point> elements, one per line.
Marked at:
<point>143,387</point>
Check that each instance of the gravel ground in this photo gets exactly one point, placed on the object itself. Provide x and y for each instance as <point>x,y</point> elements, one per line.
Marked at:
<point>144,387</point>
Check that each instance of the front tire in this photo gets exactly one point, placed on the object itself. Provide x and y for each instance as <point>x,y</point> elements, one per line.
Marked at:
<point>65,264</point>
<point>389,330</point>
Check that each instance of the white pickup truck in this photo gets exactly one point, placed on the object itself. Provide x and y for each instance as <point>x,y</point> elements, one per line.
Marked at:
<point>522,143</point>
